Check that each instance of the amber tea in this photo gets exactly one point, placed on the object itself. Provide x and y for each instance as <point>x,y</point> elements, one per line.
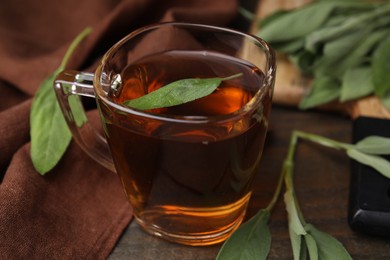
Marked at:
<point>187,169</point>
<point>189,179</point>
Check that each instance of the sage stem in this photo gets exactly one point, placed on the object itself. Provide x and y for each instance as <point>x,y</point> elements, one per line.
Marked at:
<point>288,167</point>
<point>278,189</point>
<point>289,162</point>
<point>73,45</point>
<point>322,140</point>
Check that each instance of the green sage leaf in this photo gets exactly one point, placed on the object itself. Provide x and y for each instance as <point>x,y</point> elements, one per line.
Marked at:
<point>381,68</point>
<point>337,51</point>
<point>290,47</point>
<point>355,57</point>
<point>49,132</point>
<point>374,145</point>
<point>178,92</point>
<point>304,61</point>
<point>272,17</point>
<point>311,246</point>
<point>297,244</point>
<point>299,22</point>
<point>355,22</point>
<point>252,240</point>
<point>328,246</point>
<point>246,13</point>
<point>378,163</point>
<point>324,89</point>
<point>386,100</point>
<point>293,217</point>
<point>303,254</point>
<point>356,83</point>
<point>341,46</point>
<point>295,227</point>
<point>331,44</point>
<point>77,110</point>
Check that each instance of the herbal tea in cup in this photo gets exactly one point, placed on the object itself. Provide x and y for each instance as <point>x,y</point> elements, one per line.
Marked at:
<point>184,108</point>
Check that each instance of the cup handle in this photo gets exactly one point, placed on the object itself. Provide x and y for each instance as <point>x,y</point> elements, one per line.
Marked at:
<point>69,85</point>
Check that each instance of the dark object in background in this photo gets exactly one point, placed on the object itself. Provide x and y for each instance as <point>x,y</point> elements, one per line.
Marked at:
<point>369,201</point>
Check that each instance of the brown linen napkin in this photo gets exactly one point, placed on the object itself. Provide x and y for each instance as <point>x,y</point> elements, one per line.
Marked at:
<point>77,210</point>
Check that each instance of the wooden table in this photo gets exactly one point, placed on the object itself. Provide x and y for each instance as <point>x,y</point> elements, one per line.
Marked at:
<point>322,184</point>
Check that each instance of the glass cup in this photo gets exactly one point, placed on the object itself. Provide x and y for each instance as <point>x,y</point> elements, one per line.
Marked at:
<point>187,169</point>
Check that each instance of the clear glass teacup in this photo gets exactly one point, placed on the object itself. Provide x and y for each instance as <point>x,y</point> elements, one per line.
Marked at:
<point>186,169</point>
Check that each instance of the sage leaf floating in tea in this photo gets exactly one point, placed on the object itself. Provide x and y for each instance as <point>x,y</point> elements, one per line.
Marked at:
<point>177,93</point>
<point>333,41</point>
<point>49,132</point>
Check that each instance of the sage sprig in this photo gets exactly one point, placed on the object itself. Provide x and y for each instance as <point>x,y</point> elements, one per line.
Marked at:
<point>367,151</point>
<point>178,92</point>
<point>343,45</point>
<point>252,240</point>
<point>306,240</point>
<point>244,242</point>
<point>49,132</point>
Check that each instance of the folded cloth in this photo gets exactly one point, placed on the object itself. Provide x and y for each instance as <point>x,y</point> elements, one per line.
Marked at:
<point>77,210</point>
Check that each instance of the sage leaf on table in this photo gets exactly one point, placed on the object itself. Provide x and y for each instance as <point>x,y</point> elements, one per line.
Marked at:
<point>335,40</point>
<point>367,151</point>
<point>327,247</point>
<point>386,100</point>
<point>311,246</point>
<point>178,92</point>
<point>374,145</point>
<point>49,132</point>
<point>381,68</point>
<point>252,240</point>
<point>293,215</point>
<point>305,239</point>
<point>357,82</point>
<point>324,89</point>
<point>356,56</point>
<point>295,227</point>
<point>325,34</point>
<point>274,29</point>
<point>378,163</point>
<point>337,48</point>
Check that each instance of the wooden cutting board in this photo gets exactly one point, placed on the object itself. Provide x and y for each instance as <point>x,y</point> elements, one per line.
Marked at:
<point>291,86</point>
